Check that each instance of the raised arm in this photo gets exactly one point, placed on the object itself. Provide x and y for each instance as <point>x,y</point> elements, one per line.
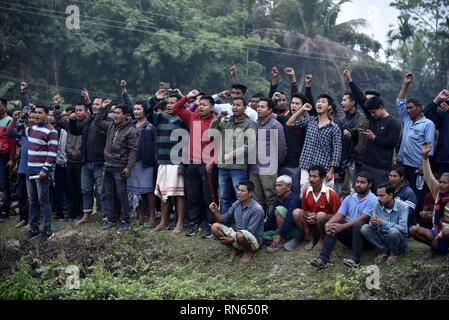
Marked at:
<point>359,96</point>
<point>151,116</point>
<point>125,95</point>
<point>13,122</point>
<point>178,107</point>
<point>290,72</point>
<point>431,111</point>
<point>63,123</point>
<point>274,81</point>
<point>401,100</point>
<point>308,79</point>
<point>292,120</point>
<point>24,99</point>
<point>99,118</point>
<point>86,98</point>
<point>233,74</point>
<point>408,78</point>
<point>430,180</point>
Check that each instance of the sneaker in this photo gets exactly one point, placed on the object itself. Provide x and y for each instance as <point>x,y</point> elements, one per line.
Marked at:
<point>106,226</point>
<point>318,263</point>
<point>207,231</point>
<point>3,217</point>
<point>292,244</point>
<point>47,236</point>
<point>192,230</point>
<point>351,263</point>
<point>32,235</point>
<point>21,224</point>
<point>123,227</point>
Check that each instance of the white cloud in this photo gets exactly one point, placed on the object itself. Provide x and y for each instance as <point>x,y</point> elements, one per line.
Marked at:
<point>378,14</point>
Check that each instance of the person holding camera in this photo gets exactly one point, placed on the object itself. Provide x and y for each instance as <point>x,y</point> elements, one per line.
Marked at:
<point>120,155</point>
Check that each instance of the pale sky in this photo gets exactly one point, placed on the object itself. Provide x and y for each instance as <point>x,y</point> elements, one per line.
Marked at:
<point>378,13</point>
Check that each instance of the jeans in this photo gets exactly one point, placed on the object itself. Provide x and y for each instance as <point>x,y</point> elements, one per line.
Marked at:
<point>410,175</point>
<point>264,190</point>
<point>392,241</point>
<point>4,183</point>
<point>229,180</point>
<point>39,201</point>
<point>92,175</point>
<point>295,174</point>
<point>201,190</point>
<point>351,238</point>
<point>115,188</point>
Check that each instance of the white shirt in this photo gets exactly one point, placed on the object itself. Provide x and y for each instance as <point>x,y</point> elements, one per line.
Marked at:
<point>252,115</point>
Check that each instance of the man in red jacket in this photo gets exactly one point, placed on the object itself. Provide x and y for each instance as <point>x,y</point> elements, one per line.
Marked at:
<point>201,177</point>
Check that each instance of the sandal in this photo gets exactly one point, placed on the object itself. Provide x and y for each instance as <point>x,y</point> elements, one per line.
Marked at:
<point>392,259</point>
<point>350,263</point>
<point>381,257</point>
<point>317,262</point>
<point>271,249</point>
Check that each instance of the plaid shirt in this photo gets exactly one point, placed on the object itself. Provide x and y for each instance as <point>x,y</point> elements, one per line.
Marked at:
<point>322,146</point>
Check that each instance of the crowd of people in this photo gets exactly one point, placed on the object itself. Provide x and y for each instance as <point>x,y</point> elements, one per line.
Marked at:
<point>265,171</point>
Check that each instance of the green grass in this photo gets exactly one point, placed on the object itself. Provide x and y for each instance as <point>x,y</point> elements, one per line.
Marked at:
<point>143,264</point>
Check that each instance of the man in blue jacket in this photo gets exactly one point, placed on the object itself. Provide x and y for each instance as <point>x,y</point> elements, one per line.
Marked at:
<point>387,229</point>
<point>246,217</point>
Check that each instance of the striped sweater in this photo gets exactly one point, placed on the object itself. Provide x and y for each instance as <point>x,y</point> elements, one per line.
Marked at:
<point>165,125</point>
<point>42,148</point>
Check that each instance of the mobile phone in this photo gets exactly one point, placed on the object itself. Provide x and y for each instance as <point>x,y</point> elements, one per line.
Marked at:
<point>165,85</point>
<point>445,101</point>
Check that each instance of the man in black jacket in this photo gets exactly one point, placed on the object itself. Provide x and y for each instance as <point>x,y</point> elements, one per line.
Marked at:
<point>382,135</point>
<point>120,157</point>
<point>92,151</point>
<point>74,156</point>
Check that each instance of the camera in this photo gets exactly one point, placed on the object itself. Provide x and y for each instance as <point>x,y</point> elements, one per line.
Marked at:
<point>26,110</point>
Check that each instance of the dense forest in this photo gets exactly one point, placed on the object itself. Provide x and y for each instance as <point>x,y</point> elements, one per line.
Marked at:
<point>191,44</point>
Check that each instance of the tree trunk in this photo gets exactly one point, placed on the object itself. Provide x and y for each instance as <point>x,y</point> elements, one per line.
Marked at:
<point>55,70</point>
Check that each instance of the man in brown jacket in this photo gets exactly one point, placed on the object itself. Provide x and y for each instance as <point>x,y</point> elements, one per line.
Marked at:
<point>120,157</point>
